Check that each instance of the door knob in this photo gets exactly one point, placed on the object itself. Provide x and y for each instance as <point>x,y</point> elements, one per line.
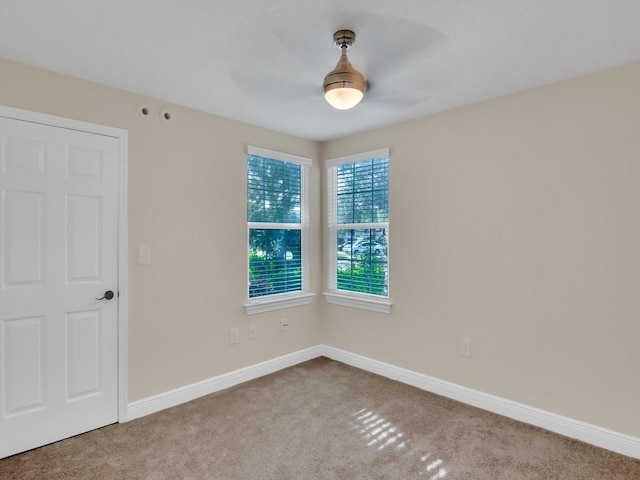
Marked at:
<point>108,295</point>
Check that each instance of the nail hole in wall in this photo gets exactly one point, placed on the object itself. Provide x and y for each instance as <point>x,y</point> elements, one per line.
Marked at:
<point>144,110</point>
<point>165,114</point>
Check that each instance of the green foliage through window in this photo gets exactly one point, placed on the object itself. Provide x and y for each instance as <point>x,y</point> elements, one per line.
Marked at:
<point>363,191</point>
<point>273,190</point>
<point>274,261</point>
<point>274,198</point>
<point>362,261</point>
<point>359,223</point>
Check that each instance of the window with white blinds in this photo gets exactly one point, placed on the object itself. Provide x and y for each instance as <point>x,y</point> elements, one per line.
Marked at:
<point>276,223</point>
<point>358,226</point>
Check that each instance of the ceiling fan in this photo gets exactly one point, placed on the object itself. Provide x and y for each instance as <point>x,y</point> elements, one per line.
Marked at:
<point>391,64</point>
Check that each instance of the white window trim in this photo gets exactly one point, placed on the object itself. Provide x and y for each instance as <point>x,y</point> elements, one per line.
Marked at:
<point>346,298</point>
<point>305,296</point>
<point>359,300</point>
<point>278,301</point>
<point>357,157</point>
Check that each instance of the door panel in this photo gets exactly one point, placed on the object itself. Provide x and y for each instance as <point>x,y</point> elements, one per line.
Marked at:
<point>58,233</point>
<point>23,238</point>
<point>26,156</point>
<point>84,238</point>
<point>24,366</point>
<point>84,339</point>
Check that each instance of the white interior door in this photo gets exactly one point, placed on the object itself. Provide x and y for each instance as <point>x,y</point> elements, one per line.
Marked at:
<point>58,254</point>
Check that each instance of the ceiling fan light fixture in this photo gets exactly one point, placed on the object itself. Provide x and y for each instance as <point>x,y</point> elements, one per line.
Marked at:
<point>344,86</point>
<point>343,98</point>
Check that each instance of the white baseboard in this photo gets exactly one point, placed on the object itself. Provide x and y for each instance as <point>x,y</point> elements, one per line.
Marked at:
<point>601,437</point>
<point>180,395</point>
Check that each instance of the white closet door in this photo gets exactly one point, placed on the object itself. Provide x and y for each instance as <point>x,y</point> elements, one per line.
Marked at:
<point>58,253</point>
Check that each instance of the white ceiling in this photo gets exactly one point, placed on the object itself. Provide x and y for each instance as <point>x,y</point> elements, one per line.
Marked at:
<point>263,61</point>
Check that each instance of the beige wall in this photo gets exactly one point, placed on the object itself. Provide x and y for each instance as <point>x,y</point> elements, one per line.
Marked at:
<point>516,223</point>
<point>187,200</point>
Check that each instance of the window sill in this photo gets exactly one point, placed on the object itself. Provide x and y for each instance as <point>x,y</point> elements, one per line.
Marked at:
<point>267,304</point>
<point>359,301</point>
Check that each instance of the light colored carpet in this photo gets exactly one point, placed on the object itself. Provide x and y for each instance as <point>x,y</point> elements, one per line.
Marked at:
<point>321,420</point>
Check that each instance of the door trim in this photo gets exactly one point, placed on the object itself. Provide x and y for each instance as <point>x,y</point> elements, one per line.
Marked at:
<point>122,137</point>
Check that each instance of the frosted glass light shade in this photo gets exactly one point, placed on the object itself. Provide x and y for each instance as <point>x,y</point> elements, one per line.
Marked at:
<point>343,98</point>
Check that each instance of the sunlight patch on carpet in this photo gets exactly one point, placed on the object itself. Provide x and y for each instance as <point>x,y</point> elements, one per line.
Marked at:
<point>381,433</point>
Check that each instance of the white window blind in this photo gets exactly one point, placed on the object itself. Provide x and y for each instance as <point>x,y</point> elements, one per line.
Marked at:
<point>358,223</point>
<point>276,223</point>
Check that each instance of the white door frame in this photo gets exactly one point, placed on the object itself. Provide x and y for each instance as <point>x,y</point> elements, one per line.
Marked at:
<point>121,136</point>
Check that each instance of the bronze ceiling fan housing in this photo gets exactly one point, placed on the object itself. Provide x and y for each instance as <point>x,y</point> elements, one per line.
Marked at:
<point>344,86</point>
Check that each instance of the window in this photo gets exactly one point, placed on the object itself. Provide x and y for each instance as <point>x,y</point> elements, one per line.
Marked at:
<point>358,229</point>
<point>277,226</point>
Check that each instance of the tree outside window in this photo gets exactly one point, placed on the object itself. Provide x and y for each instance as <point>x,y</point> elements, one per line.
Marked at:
<point>276,225</point>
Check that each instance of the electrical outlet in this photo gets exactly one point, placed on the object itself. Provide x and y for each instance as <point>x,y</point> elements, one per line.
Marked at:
<point>234,336</point>
<point>283,324</point>
<point>465,347</point>
<point>253,332</point>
